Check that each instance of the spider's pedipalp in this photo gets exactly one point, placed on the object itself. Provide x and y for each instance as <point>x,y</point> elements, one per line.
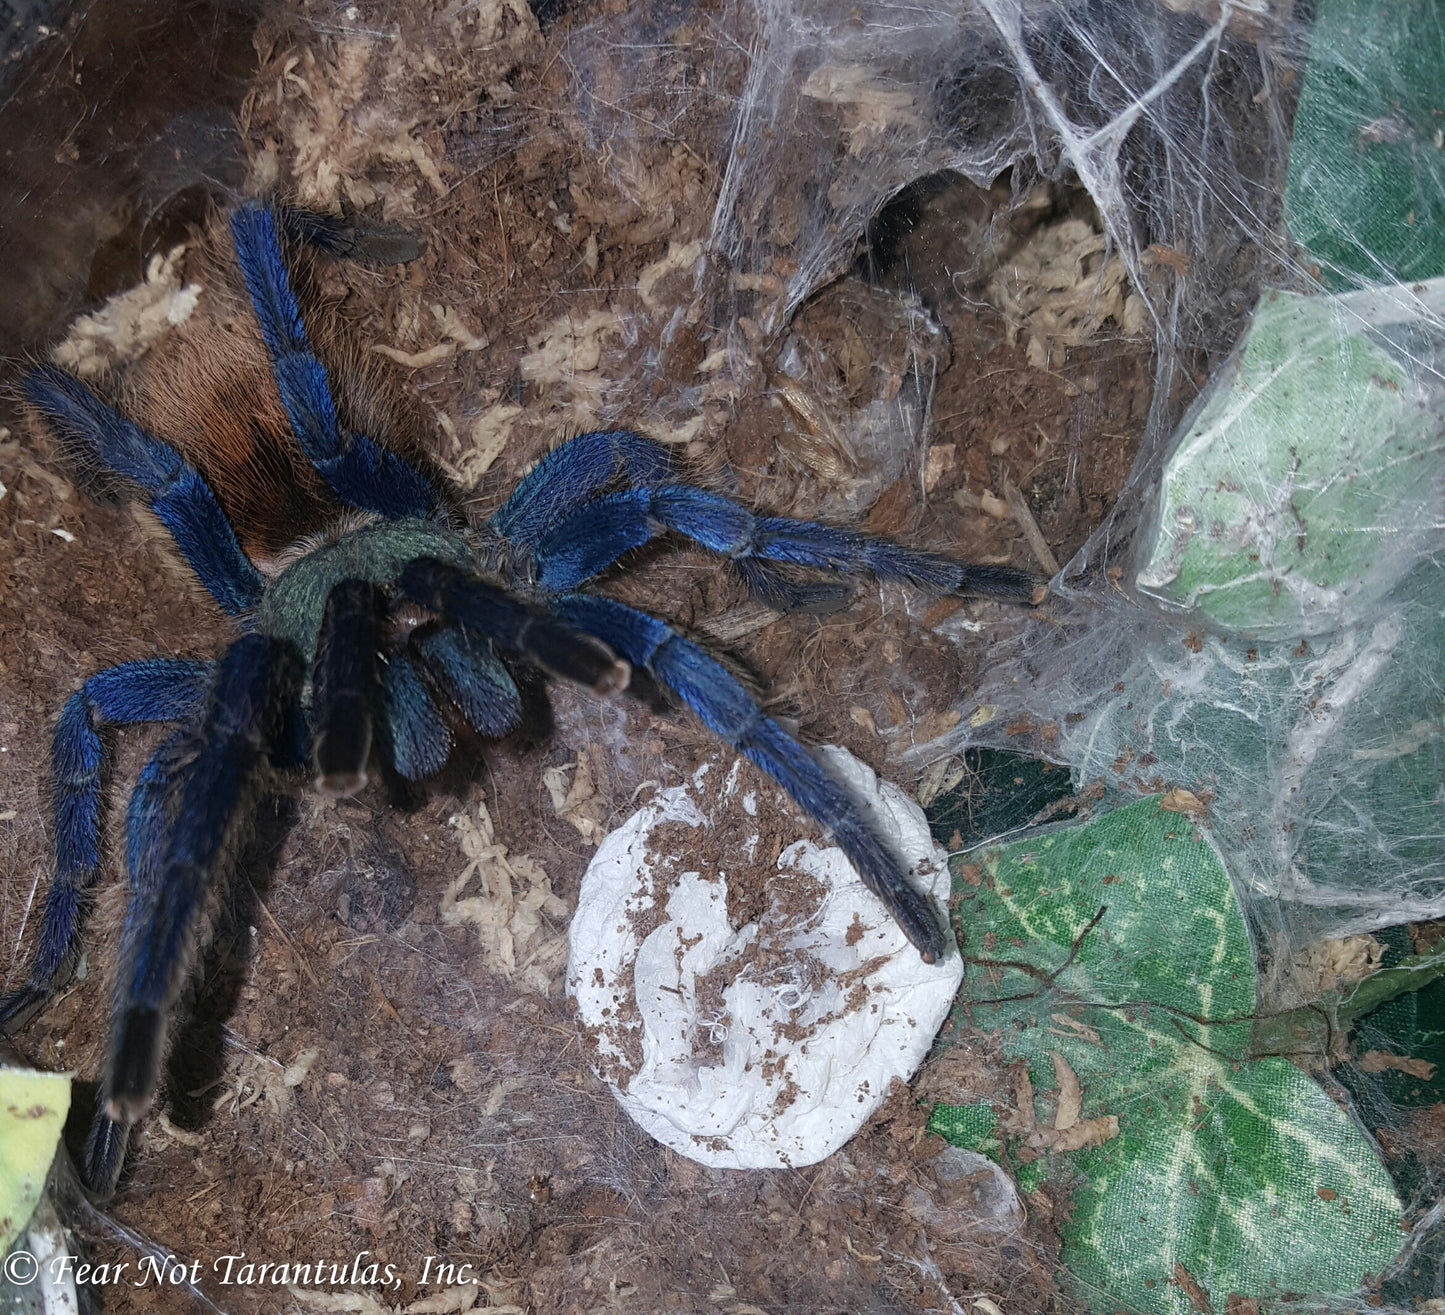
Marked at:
<point>729,711</point>
<point>181,499</point>
<point>344,686</point>
<point>418,741</point>
<point>154,689</point>
<point>472,677</point>
<point>213,785</point>
<point>514,626</point>
<point>358,470</point>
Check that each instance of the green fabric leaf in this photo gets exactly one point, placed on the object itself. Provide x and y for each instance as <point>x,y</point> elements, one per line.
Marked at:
<point>1118,945</point>
<point>33,1107</point>
<point>1282,508</point>
<point>1366,186</point>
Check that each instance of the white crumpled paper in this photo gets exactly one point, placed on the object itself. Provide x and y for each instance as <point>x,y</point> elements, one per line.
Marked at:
<point>764,1045</point>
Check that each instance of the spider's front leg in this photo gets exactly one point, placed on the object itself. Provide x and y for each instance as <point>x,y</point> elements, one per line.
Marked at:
<point>190,821</point>
<point>154,689</point>
<point>726,708</point>
<point>574,528</point>
<point>146,822</point>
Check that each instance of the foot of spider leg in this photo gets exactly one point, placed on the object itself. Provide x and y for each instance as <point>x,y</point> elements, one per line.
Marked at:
<point>104,1155</point>
<point>513,626</point>
<point>255,681</point>
<point>179,496</point>
<point>358,470</point>
<point>350,239</point>
<point>156,689</point>
<point>578,470</point>
<point>590,537</point>
<point>726,709</point>
<point>344,686</point>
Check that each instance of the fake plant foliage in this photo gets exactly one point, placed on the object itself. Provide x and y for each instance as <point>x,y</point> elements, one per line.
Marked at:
<point>1226,1174</point>
<point>33,1107</point>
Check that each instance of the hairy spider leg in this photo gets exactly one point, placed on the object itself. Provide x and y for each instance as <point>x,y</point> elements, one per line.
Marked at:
<point>156,689</point>
<point>146,820</point>
<point>513,626</point>
<point>179,496</point>
<point>351,239</point>
<point>589,538</point>
<point>344,684</point>
<point>575,472</point>
<point>726,709</point>
<point>246,709</point>
<point>358,470</point>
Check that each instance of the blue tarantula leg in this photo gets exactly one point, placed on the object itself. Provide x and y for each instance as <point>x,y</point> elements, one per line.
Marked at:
<point>104,1154</point>
<point>255,680</point>
<point>593,536</point>
<point>156,689</point>
<point>418,741</point>
<point>575,472</point>
<point>726,709</point>
<point>785,591</point>
<point>358,470</point>
<point>351,239</point>
<point>512,625</point>
<point>146,823</point>
<point>179,496</point>
<point>344,685</point>
<point>469,672</point>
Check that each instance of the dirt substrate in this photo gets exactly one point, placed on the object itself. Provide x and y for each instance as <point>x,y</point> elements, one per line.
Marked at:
<point>380,1057</point>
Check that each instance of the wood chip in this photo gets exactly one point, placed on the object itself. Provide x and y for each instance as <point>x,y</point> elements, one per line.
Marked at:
<point>416,360</point>
<point>1179,800</point>
<point>1377,1061</point>
<point>1198,1297</point>
<point>1024,518</point>
<point>1086,1132</point>
<point>1071,1098</point>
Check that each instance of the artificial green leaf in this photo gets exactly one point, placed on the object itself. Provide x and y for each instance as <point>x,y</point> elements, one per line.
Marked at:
<point>1118,945</point>
<point>1284,504</point>
<point>1366,186</point>
<point>33,1107</point>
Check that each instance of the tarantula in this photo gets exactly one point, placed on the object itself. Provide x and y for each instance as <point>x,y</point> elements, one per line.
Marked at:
<point>382,609</point>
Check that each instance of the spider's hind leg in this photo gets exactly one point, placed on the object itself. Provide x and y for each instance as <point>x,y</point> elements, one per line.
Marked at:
<point>726,709</point>
<point>576,472</point>
<point>357,469</point>
<point>351,239</point>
